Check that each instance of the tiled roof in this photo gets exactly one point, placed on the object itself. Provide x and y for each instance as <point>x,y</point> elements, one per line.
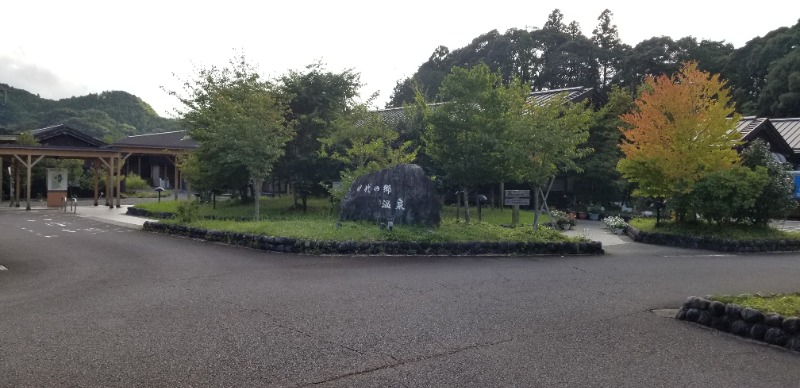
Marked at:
<point>574,94</point>
<point>43,134</point>
<point>748,126</point>
<point>752,127</point>
<point>174,139</point>
<point>789,128</point>
<point>394,116</point>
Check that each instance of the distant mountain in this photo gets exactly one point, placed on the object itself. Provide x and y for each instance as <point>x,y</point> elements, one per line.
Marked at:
<point>108,115</point>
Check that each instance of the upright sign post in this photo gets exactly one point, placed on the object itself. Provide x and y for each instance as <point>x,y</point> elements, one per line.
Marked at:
<point>57,185</point>
<point>516,198</point>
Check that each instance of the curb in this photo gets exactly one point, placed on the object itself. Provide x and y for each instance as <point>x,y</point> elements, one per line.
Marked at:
<point>773,329</point>
<point>711,243</point>
<point>292,245</point>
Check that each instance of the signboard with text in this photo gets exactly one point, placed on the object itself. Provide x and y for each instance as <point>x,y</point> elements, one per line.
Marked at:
<point>517,197</point>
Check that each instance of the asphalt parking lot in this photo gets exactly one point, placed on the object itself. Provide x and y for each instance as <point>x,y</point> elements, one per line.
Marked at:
<point>92,301</point>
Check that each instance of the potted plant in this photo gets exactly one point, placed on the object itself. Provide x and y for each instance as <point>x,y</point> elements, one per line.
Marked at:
<point>563,220</point>
<point>616,224</point>
<point>594,211</point>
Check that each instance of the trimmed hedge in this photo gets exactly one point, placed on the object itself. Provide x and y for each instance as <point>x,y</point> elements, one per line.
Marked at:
<point>711,243</point>
<point>773,329</point>
<point>293,245</point>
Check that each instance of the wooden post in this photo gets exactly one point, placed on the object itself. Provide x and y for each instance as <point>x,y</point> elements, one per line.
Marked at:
<point>109,183</point>
<point>96,181</point>
<point>502,196</point>
<point>28,185</point>
<point>515,215</point>
<point>16,183</point>
<point>120,161</point>
<point>1,181</point>
<point>177,177</point>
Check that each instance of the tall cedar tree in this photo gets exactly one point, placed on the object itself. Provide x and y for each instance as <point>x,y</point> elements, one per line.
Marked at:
<point>681,129</point>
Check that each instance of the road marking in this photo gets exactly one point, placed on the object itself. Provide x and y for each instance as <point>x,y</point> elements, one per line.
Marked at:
<point>3,268</point>
<point>711,255</point>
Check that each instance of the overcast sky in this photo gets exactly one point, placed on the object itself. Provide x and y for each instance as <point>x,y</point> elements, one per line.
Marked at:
<point>60,49</point>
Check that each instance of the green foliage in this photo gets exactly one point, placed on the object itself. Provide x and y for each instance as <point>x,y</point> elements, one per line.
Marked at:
<point>729,195</point>
<point>599,179</point>
<point>761,61</point>
<point>545,140</point>
<point>739,232</point>
<point>26,138</point>
<point>108,115</point>
<point>775,200</point>
<point>681,130</point>
<point>468,133</point>
<point>781,94</point>
<point>134,183</point>
<point>318,228</point>
<point>317,98</point>
<point>239,121</point>
<point>787,305</point>
<point>762,74</point>
<point>188,212</point>
<point>363,143</point>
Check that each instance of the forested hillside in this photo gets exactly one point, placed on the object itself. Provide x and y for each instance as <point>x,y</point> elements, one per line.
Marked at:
<point>764,74</point>
<point>108,115</point>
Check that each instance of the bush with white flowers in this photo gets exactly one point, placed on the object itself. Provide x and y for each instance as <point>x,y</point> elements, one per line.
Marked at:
<point>615,222</point>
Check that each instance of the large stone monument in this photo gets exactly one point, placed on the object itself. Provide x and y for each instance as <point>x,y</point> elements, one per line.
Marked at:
<point>402,194</point>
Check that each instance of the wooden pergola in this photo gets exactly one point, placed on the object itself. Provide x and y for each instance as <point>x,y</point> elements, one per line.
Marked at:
<point>28,156</point>
<point>62,141</point>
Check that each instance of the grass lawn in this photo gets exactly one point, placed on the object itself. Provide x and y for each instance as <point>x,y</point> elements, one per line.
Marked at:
<point>319,223</point>
<point>702,229</point>
<point>787,305</point>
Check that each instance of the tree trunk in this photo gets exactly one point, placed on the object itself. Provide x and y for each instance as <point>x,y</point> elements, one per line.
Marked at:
<point>257,197</point>
<point>458,205</point>
<point>466,205</point>
<point>536,208</point>
<point>502,195</point>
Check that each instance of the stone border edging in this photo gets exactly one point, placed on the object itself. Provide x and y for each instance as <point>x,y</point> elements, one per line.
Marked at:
<point>771,328</point>
<point>293,245</point>
<point>711,243</point>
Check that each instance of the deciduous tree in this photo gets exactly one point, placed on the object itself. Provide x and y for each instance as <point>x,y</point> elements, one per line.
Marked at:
<point>239,120</point>
<point>465,134</point>
<point>682,129</point>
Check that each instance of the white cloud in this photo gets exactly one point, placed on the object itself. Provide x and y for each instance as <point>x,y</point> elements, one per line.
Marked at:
<point>38,80</point>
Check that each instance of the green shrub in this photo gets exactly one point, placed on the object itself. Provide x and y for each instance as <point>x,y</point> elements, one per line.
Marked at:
<point>729,195</point>
<point>188,211</point>
<point>775,200</point>
<point>135,183</point>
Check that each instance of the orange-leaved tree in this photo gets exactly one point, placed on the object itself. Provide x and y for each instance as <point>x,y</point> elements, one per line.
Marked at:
<point>681,129</point>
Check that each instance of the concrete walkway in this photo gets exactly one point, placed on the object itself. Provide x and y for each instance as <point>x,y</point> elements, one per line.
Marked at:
<point>597,231</point>
<point>116,216</point>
